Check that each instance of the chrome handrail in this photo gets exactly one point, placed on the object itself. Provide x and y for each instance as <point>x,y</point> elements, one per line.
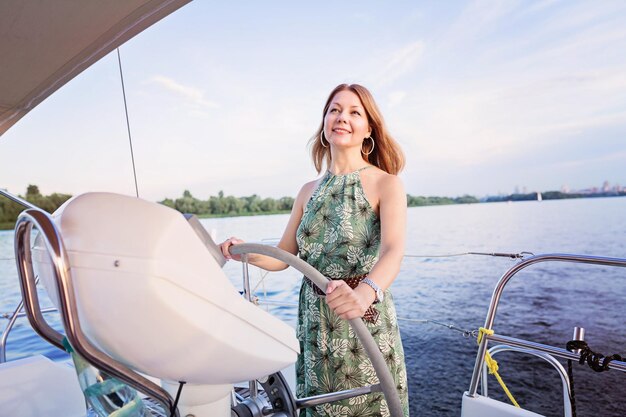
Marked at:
<point>254,392</point>
<point>16,313</point>
<point>7,330</point>
<point>68,310</point>
<point>17,199</point>
<point>336,396</point>
<point>554,351</point>
<point>12,319</point>
<point>567,405</point>
<point>495,300</point>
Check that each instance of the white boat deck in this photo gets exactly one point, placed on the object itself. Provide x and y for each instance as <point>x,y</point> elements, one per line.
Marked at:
<point>36,387</point>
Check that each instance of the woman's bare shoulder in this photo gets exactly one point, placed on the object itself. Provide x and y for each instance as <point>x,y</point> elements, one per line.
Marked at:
<point>382,178</point>
<point>306,191</point>
<point>309,187</point>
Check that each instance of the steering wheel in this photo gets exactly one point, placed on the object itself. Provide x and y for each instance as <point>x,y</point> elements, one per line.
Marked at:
<point>387,384</point>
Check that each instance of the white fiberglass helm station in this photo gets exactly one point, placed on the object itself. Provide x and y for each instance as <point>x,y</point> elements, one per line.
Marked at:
<point>150,295</point>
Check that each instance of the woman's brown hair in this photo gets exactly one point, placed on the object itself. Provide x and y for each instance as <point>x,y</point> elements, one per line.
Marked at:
<point>386,155</point>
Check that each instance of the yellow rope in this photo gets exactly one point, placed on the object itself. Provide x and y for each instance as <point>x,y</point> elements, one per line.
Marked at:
<point>493,365</point>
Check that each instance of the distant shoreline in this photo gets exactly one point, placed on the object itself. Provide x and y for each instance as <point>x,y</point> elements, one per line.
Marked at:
<point>219,216</point>
<point>418,202</point>
<point>552,195</point>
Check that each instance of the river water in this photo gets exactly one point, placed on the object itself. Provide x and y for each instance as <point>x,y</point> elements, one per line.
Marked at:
<point>543,303</point>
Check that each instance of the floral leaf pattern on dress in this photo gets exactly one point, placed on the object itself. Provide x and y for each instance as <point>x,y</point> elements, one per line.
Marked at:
<point>339,234</point>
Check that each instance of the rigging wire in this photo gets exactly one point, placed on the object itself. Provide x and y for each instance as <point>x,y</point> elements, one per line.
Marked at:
<point>520,255</point>
<point>447,255</point>
<point>466,333</point>
<point>130,140</point>
<point>274,303</point>
<point>451,326</point>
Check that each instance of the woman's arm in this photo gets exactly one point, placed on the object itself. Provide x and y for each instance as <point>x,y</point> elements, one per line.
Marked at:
<point>348,303</point>
<point>287,241</point>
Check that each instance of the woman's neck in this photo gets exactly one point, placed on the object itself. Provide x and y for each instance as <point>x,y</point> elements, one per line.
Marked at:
<point>344,164</point>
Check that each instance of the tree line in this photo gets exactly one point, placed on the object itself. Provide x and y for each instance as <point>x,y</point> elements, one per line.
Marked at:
<point>552,195</point>
<point>417,201</point>
<point>9,210</point>
<point>219,205</point>
<point>235,206</point>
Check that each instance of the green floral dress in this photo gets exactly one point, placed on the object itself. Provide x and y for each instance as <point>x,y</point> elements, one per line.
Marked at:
<point>340,236</point>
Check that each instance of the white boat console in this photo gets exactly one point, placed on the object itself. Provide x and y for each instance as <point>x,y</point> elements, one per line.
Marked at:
<point>150,296</point>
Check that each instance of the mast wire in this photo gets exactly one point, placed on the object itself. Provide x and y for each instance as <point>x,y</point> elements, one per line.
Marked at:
<point>130,140</point>
<point>520,255</point>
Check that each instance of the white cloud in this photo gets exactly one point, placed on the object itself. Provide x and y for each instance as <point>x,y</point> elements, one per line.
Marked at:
<point>489,94</point>
<point>191,94</point>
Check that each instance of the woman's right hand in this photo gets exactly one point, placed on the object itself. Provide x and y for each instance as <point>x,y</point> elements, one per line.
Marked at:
<point>225,247</point>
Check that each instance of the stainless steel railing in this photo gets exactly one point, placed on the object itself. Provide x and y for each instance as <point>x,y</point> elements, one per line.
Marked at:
<point>40,220</point>
<point>12,319</point>
<point>567,406</point>
<point>17,199</point>
<point>17,313</point>
<point>525,344</point>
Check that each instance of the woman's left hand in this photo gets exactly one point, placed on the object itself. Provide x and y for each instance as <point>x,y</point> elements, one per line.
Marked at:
<point>346,302</point>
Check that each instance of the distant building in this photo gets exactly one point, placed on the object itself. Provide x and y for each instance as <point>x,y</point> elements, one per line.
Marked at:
<point>606,187</point>
<point>565,189</point>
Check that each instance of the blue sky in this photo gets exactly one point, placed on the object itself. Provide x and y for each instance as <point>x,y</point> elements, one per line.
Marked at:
<point>483,96</point>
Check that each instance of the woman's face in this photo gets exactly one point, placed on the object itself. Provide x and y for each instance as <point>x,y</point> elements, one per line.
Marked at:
<point>345,122</point>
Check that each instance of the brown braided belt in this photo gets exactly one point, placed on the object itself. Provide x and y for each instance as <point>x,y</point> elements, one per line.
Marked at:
<point>371,314</point>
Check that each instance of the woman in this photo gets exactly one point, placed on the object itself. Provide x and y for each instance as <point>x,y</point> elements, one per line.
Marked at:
<point>350,225</point>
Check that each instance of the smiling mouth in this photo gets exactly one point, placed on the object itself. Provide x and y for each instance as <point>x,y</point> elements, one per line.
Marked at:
<point>340,130</point>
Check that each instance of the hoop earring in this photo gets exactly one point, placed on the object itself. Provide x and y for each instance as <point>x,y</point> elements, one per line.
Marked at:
<point>371,150</point>
<point>322,139</point>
